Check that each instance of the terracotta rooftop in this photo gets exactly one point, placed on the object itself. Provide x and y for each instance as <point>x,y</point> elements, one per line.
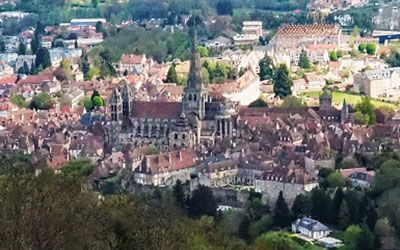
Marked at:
<point>132,59</point>
<point>34,79</point>
<point>307,29</point>
<point>171,161</point>
<point>8,80</point>
<point>156,110</point>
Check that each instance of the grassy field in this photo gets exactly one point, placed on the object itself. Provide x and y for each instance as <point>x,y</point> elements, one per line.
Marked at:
<point>338,98</point>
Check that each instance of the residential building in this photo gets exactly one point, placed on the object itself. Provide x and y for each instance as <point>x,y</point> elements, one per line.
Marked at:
<point>298,36</point>
<point>359,177</point>
<point>134,64</point>
<point>291,181</point>
<point>379,84</point>
<point>251,33</point>
<point>310,228</point>
<point>166,168</point>
<point>252,28</point>
<point>84,22</point>
<point>219,42</point>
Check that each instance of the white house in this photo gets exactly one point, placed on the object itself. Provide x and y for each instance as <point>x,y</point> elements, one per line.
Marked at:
<point>310,228</point>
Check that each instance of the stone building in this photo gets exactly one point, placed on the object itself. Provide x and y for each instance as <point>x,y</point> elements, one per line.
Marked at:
<point>291,181</point>
<point>380,84</point>
<point>198,119</point>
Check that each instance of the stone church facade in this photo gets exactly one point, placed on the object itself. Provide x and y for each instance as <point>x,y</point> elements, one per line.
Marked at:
<point>197,120</point>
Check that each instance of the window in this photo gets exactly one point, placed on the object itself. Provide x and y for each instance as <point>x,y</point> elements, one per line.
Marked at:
<point>176,136</point>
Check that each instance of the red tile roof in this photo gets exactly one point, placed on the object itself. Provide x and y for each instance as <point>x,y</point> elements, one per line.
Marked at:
<point>132,59</point>
<point>171,161</point>
<point>34,79</point>
<point>156,110</point>
<point>8,80</point>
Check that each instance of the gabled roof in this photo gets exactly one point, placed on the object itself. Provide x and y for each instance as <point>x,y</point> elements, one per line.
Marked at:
<point>156,110</point>
<point>132,59</point>
<point>310,224</point>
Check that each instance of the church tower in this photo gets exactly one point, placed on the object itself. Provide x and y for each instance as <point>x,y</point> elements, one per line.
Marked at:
<point>126,95</point>
<point>116,106</point>
<point>195,96</point>
<point>325,101</point>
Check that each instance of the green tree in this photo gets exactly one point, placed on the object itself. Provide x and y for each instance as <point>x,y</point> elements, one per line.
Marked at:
<point>244,229</point>
<point>344,216</point>
<point>321,205</point>
<point>106,67</point>
<point>300,206</point>
<point>80,169</point>
<point>179,194</point>
<point>43,59</point>
<point>94,3</point>
<point>282,82</point>
<point>393,59</point>
<point>267,68</point>
<point>333,56</point>
<point>362,47</point>
<point>276,241</point>
<point>335,179</point>
<point>18,100</point>
<point>292,102</point>
<point>360,118</point>
<point>93,71</point>
<point>368,215</point>
<point>87,103</point>
<point>172,77</point>
<point>21,48</point>
<point>203,51</point>
<point>66,67</point>
<point>371,48</point>
<point>202,203</point>
<point>97,102</point>
<point>259,103</point>
<point>336,203</point>
<point>304,62</point>
<point>353,199</point>
<point>387,176</point>
<point>35,43</point>
<point>365,107</point>
<point>386,233</point>
<point>45,212</point>
<point>41,101</point>
<point>281,212</point>
<point>359,238</point>
<point>99,26</point>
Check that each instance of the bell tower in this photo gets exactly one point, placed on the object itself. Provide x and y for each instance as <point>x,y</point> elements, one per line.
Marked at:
<point>195,96</point>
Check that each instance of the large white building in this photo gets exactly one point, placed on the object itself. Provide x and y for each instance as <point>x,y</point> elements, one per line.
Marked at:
<point>252,30</point>
<point>311,228</point>
<point>379,84</point>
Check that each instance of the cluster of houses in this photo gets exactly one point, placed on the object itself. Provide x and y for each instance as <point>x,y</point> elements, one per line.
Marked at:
<point>66,40</point>
<point>228,145</point>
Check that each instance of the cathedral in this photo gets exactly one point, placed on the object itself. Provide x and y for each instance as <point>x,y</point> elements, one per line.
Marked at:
<point>199,120</point>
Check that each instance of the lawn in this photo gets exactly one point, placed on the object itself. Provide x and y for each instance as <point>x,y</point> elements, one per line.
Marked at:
<point>352,99</point>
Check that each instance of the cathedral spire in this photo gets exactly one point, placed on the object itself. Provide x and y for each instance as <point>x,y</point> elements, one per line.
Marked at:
<point>195,79</point>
